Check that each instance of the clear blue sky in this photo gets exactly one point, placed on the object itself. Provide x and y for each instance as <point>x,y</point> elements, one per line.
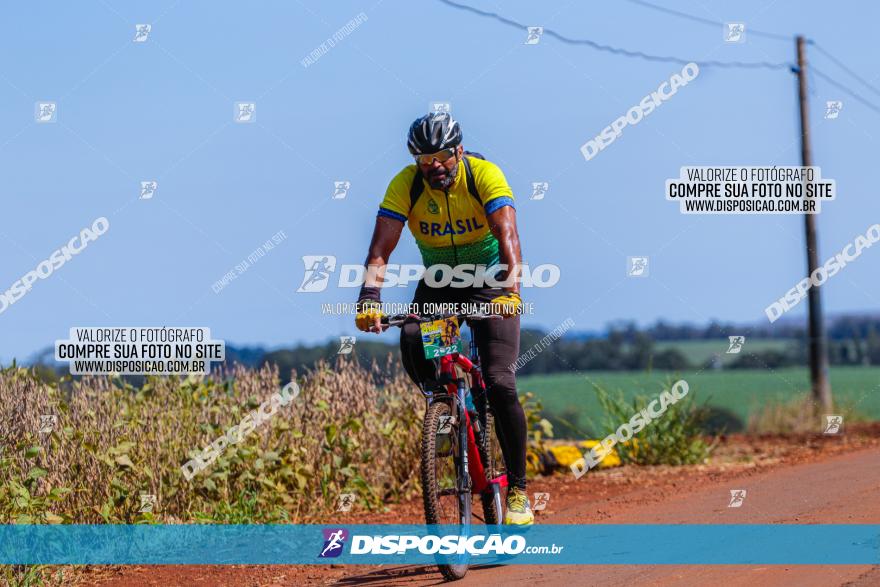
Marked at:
<point>163,110</point>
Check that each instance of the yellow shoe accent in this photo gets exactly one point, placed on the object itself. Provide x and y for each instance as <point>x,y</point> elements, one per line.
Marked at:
<point>519,511</point>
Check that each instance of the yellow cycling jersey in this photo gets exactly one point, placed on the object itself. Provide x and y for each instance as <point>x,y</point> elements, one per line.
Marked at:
<point>451,229</point>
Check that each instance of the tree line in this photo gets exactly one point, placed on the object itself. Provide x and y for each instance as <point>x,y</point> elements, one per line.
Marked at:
<point>623,346</point>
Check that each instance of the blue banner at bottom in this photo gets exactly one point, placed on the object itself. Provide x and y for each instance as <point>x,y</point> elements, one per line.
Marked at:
<point>585,544</point>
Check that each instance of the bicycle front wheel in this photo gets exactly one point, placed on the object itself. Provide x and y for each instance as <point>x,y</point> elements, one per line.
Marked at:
<point>441,450</point>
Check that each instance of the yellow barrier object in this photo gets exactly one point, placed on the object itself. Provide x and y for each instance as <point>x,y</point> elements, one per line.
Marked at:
<point>562,456</point>
<point>611,460</point>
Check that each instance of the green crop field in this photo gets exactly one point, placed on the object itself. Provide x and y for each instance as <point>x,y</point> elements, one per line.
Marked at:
<point>700,351</point>
<point>571,396</point>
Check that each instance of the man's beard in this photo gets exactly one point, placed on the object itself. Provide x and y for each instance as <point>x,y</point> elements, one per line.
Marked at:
<point>441,181</point>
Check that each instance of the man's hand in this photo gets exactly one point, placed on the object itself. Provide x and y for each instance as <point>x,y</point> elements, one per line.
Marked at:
<point>369,316</point>
<point>509,304</point>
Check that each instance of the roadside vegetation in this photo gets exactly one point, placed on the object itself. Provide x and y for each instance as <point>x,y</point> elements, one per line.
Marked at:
<point>348,431</point>
<point>351,429</point>
<point>675,438</point>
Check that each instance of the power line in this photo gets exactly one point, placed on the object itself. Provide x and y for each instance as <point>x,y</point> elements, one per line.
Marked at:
<point>669,59</point>
<point>843,66</point>
<point>776,36</point>
<point>707,21</point>
<point>833,82</point>
<point>680,60</point>
<point>620,51</point>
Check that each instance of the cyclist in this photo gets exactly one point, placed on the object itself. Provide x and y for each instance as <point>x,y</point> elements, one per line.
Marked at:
<point>461,211</point>
<point>449,334</point>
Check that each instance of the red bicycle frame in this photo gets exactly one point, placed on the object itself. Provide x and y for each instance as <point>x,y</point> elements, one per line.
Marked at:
<point>475,464</point>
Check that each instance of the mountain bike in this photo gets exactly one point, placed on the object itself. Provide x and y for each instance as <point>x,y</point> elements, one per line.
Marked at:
<point>460,457</point>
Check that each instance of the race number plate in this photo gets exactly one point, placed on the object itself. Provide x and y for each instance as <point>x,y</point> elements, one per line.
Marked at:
<point>441,337</point>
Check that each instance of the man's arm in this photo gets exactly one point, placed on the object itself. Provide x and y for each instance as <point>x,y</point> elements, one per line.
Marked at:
<point>502,223</point>
<point>386,234</point>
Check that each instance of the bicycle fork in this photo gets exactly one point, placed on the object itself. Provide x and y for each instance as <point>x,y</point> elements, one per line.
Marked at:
<point>465,439</point>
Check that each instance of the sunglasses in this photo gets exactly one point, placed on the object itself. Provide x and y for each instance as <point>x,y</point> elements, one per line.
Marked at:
<point>441,156</point>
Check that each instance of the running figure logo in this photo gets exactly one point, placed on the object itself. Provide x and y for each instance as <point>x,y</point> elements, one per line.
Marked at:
<point>141,32</point>
<point>737,497</point>
<point>346,345</point>
<point>148,189</point>
<point>245,112</point>
<point>637,266</point>
<point>346,500</point>
<point>534,36</point>
<point>440,107</point>
<point>445,425</point>
<point>48,423</point>
<point>46,112</point>
<point>340,189</point>
<point>334,540</point>
<point>539,190</point>
<point>833,424</point>
<point>318,269</point>
<point>736,344</point>
<point>541,501</point>
<point>148,502</point>
<point>833,108</point>
<point>734,32</point>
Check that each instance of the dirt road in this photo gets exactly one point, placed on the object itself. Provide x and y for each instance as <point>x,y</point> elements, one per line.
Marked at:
<point>794,481</point>
<point>845,489</point>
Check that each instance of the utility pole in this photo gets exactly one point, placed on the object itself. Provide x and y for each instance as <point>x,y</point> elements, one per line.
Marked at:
<point>818,343</point>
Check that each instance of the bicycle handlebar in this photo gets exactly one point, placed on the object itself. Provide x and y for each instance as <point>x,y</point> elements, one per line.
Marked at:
<point>401,319</point>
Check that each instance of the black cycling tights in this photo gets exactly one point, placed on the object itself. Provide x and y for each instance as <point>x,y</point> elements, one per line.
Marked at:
<point>498,346</point>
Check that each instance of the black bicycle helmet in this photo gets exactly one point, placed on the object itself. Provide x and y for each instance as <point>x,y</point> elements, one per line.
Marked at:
<point>433,132</point>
